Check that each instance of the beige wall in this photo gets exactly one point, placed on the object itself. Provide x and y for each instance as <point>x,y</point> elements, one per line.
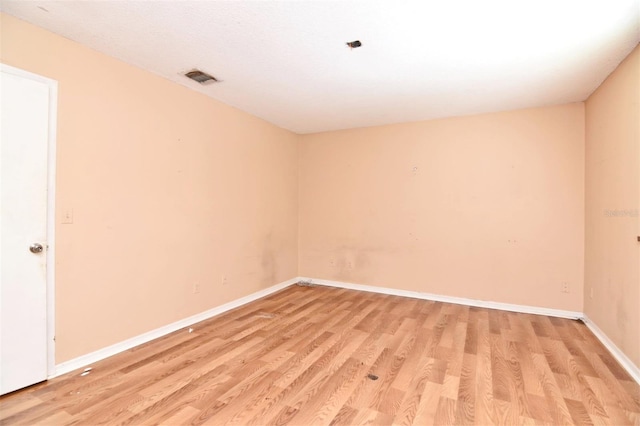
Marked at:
<point>487,207</point>
<point>612,251</point>
<point>168,188</point>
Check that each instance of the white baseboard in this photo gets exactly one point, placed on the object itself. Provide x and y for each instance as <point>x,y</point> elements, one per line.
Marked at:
<point>98,355</point>
<point>625,362</point>
<point>450,299</point>
<point>85,360</point>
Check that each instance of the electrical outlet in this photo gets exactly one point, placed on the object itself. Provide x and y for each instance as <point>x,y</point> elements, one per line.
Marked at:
<point>196,288</point>
<point>223,281</point>
<point>565,287</point>
<point>591,292</point>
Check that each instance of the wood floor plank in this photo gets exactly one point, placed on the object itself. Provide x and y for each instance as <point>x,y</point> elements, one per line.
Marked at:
<point>327,356</point>
<point>558,408</point>
<point>466,398</point>
<point>427,412</point>
<point>365,393</point>
<point>484,410</point>
<point>627,398</point>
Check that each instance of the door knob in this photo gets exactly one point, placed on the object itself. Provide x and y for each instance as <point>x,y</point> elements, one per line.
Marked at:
<point>36,248</point>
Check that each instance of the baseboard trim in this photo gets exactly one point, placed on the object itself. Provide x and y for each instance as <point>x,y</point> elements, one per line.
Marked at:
<point>90,358</point>
<point>625,362</point>
<point>103,353</point>
<point>449,299</point>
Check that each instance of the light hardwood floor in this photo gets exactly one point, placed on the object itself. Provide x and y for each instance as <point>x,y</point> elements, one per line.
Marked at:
<point>320,355</point>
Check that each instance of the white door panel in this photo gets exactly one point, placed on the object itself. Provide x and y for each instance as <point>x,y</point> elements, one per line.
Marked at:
<point>23,221</point>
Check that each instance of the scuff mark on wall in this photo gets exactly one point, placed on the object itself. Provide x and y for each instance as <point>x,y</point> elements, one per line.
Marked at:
<point>269,267</point>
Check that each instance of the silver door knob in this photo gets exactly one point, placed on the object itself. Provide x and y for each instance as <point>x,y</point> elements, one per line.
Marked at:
<point>36,248</point>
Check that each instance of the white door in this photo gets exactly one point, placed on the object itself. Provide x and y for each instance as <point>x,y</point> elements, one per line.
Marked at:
<point>24,136</point>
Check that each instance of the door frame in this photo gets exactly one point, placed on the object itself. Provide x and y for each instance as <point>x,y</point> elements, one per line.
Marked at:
<point>51,210</point>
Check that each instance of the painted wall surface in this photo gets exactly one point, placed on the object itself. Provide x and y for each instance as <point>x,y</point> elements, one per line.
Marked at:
<point>173,192</point>
<point>612,251</point>
<point>170,191</point>
<point>487,207</point>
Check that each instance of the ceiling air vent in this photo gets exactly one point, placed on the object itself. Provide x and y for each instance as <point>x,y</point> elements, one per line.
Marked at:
<point>201,77</point>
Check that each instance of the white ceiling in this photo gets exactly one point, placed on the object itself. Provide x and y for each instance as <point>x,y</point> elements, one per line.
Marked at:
<point>287,62</point>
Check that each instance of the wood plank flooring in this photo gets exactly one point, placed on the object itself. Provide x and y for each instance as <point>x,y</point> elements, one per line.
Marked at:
<point>320,355</point>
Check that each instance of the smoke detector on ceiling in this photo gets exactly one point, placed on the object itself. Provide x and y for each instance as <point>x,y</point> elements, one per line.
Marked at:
<point>201,77</point>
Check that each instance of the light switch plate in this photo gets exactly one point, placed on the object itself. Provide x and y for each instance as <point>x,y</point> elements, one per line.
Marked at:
<point>67,216</point>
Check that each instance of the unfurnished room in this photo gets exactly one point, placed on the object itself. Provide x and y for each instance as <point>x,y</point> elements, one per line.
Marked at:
<point>320,212</point>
